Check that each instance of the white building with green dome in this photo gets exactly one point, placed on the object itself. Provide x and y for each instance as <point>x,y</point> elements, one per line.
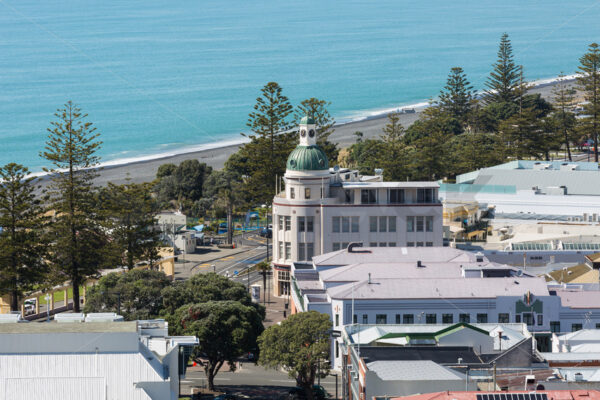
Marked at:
<point>323,209</point>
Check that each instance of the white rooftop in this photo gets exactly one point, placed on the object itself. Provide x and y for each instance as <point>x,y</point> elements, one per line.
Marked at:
<point>420,370</point>
<point>377,185</point>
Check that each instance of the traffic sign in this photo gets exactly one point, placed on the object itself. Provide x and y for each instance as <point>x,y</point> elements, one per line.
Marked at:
<point>235,272</point>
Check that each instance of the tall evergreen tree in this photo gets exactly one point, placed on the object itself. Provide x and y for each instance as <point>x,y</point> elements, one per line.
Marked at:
<point>264,158</point>
<point>76,234</point>
<point>394,161</point>
<point>22,250</point>
<point>457,97</point>
<point>563,120</point>
<point>325,124</point>
<point>588,81</point>
<point>129,211</point>
<point>503,82</point>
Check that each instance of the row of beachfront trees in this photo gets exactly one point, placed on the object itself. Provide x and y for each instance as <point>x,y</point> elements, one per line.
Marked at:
<point>69,229</point>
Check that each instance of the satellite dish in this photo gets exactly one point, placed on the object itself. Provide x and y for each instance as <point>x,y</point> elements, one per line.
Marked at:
<point>520,272</point>
<point>336,168</point>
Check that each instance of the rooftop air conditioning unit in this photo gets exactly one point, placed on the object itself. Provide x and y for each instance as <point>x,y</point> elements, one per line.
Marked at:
<point>103,317</point>
<point>75,317</point>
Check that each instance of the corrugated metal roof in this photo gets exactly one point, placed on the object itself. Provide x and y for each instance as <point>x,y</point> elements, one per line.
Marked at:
<point>85,327</point>
<point>413,371</point>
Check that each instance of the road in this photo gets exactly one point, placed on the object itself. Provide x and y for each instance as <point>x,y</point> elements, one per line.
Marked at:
<point>252,380</point>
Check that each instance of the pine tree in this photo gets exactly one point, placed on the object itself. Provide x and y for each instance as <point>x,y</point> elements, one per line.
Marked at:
<point>264,158</point>
<point>503,82</point>
<point>395,157</point>
<point>588,81</point>
<point>325,124</point>
<point>129,211</point>
<point>563,120</point>
<point>22,249</point>
<point>457,97</point>
<point>76,235</point>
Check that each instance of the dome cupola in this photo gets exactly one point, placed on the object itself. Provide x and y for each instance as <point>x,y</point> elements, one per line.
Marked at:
<point>307,156</point>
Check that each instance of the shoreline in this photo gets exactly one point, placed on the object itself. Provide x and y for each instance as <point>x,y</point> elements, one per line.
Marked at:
<point>143,169</point>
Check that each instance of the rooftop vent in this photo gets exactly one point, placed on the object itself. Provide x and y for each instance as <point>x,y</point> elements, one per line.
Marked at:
<point>352,246</point>
<point>419,264</point>
<point>75,317</point>
<point>103,317</point>
<point>369,277</point>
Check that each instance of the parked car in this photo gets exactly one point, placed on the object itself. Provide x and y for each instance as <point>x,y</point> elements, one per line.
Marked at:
<point>297,393</point>
<point>229,396</point>
<point>29,306</point>
<point>266,233</point>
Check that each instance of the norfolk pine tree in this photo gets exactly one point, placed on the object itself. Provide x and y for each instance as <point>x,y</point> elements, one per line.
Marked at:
<point>394,160</point>
<point>22,249</point>
<point>563,120</point>
<point>588,81</point>
<point>317,109</point>
<point>76,237</point>
<point>457,97</point>
<point>503,82</point>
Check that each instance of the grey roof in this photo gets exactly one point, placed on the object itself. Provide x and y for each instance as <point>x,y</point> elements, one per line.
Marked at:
<point>394,255</point>
<point>420,370</point>
<point>440,288</point>
<point>74,327</point>
<point>577,182</point>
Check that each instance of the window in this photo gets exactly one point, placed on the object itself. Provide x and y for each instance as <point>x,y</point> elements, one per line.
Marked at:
<point>382,224</point>
<point>288,250</point>
<point>355,319</point>
<point>301,224</point>
<point>292,194</point>
<point>576,327</point>
<point>381,319</point>
<point>482,318</point>
<point>280,249</point>
<point>447,318</point>
<point>301,251</point>
<point>430,318</point>
<point>503,318</point>
<point>518,318</point>
<point>392,244</point>
<point>368,196</point>
<point>336,246</point>
<point>288,223</point>
<point>310,251</point>
<point>310,222</point>
<point>345,224</point>
<point>396,196</point>
<point>355,228</point>
<point>420,221</point>
<point>337,349</point>
<point>383,244</point>
<point>555,326</point>
<point>280,224</point>
<point>410,244</point>
<point>337,319</point>
<point>425,195</point>
<point>410,224</point>
<point>408,319</point>
<point>419,244</point>
<point>283,275</point>
<point>528,318</point>
<point>391,224</point>
<point>307,193</point>
<point>540,319</point>
<point>365,319</point>
<point>373,244</point>
<point>464,318</point>
<point>335,224</point>
<point>597,326</point>
<point>372,224</point>
<point>429,223</point>
<point>428,244</point>
<point>398,319</point>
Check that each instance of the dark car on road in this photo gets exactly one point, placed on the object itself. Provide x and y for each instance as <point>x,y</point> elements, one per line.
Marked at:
<point>266,233</point>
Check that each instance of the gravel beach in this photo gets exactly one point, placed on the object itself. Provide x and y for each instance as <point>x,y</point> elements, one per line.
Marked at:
<point>144,171</point>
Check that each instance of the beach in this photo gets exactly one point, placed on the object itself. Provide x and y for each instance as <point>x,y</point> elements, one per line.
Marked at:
<point>371,127</point>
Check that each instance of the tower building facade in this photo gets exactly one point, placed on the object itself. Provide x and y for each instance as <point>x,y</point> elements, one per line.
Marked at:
<point>324,209</point>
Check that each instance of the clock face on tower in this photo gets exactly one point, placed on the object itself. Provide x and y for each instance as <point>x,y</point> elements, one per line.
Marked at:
<point>311,133</point>
<point>303,132</point>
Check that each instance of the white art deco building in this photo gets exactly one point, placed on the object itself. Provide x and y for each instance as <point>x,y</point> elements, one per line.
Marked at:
<point>324,209</point>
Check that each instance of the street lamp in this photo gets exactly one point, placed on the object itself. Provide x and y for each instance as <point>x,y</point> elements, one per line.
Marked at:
<point>214,268</point>
<point>47,297</point>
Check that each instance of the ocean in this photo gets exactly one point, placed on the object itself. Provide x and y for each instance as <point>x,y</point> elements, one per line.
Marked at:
<point>161,77</point>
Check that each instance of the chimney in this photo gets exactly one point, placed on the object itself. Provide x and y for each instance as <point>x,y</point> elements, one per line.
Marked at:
<point>419,265</point>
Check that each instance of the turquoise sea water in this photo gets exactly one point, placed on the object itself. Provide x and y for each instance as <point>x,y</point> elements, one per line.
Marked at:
<point>158,76</point>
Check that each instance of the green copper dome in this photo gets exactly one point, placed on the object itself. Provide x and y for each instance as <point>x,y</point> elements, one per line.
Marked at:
<point>307,120</point>
<point>307,158</point>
